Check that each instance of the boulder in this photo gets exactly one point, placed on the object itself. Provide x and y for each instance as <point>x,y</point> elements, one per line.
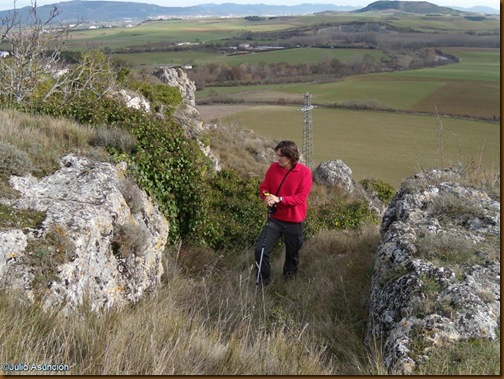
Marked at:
<point>176,77</point>
<point>436,276</point>
<point>335,173</point>
<point>101,241</point>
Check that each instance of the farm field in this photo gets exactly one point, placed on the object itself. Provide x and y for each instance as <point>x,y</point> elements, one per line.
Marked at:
<point>194,30</point>
<point>386,146</point>
<point>292,56</point>
<point>398,134</point>
<point>208,30</point>
<point>469,88</point>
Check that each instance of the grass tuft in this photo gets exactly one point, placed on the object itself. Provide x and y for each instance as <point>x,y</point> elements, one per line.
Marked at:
<point>214,321</point>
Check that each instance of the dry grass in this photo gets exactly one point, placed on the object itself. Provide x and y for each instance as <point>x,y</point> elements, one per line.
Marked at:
<point>214,321</point>
<point>207,318</point>
<point>242,150</point>
<point>448,250</point>
<point>476,357</point>
<point>45,139</point>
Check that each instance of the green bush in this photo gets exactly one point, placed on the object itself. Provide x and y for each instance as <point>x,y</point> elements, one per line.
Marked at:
<point>237,212</point>
<point>163,98</point>
<point>384,191</point>
<point>13,161</point>
<point>164,162</point>
<point>336,213</point>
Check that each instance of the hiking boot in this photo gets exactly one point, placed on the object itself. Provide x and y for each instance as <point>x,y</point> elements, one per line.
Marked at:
<point>289,277</point>
<point>264,283</point>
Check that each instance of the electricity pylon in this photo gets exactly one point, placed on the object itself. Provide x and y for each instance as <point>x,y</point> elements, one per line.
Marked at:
<point>307,130</point>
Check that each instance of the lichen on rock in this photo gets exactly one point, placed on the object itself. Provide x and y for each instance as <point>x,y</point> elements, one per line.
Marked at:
<point>71,257</point>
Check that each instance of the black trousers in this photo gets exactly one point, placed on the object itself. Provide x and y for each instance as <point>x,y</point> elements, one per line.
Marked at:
<point>292,233</point>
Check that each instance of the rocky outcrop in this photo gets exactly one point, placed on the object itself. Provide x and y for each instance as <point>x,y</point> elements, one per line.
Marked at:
<point>133,100</point>
<point>187,115</point>
<point>101,240</point>
<point>436,275</point>
<point>337,173</point>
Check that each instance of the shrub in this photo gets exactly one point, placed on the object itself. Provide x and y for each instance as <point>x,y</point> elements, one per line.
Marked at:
<point>13,161</point>
<point>337,213</point>
<point>163,98</point>
<point>384,191</point>
<point>164,162</point>
<point>237,212</point>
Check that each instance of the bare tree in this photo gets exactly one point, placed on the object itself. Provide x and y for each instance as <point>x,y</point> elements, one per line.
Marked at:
<point>34,68</point>
<point>35,47</point>
<point>93,74</point>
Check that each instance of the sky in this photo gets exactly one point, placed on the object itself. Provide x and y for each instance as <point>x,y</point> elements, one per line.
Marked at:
<point>9,4</point>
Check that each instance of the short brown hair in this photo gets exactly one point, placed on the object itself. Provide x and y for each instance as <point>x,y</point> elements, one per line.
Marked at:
<point>288,149</point>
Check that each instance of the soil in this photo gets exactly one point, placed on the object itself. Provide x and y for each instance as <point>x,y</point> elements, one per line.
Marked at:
<point>212,112</point>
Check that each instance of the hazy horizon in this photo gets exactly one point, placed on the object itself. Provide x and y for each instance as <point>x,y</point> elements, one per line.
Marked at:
<point>9,4</point>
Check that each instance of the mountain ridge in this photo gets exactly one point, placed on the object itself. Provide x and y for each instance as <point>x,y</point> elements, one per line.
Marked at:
<point>110,11</point>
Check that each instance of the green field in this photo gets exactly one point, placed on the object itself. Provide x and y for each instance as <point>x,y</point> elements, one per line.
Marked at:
<point>291,56</point>
<point>194,30</point>
<point>385,145</point>
<point>382,145</point>
<point>469,88</point>
<point>218,29</point>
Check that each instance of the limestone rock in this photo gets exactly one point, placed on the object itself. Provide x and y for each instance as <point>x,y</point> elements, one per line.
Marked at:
<point>133,100</point>
<point>102,240</point>
<point>187,115</point>
<point>178,78</point>
<point>335,172</point>
<point>437,270</point>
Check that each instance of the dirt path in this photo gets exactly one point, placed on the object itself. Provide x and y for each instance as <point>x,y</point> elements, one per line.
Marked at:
<point>211,112</point>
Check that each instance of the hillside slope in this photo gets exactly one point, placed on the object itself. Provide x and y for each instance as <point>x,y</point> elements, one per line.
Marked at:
<point>116,11</point>
<point>418,7</point>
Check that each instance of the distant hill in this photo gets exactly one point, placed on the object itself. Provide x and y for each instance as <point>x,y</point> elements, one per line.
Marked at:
<point>478,9</point>
<point>103,11</point>
<point>115,11</point>
<point>419,7</point>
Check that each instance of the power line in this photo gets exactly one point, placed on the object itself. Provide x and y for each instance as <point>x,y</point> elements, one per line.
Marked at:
<point>307,130</point>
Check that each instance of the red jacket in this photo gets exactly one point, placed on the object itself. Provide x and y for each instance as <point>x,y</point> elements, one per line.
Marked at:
<point>294,191</point>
